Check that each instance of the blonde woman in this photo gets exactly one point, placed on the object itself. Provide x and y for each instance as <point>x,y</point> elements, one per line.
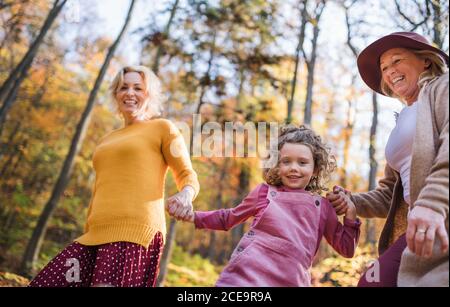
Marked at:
<point>125,229</point>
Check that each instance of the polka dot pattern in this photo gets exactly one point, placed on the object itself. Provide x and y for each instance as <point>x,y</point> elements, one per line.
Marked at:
<point>117,264</point>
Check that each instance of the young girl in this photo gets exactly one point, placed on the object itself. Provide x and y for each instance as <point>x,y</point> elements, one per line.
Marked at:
<point>290,217</point>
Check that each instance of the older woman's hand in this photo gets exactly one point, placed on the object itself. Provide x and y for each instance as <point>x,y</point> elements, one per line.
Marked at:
<point>339,199</point>
<point>424,225</point>
<point>180,206</point>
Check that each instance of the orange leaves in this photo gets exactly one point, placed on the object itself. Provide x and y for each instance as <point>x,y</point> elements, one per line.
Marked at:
<point>48,120</point>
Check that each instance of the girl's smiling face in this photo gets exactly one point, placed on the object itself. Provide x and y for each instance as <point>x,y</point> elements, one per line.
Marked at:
<point>296,165</point>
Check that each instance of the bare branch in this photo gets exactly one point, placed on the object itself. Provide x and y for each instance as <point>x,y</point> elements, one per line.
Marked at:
<point>399,10</point>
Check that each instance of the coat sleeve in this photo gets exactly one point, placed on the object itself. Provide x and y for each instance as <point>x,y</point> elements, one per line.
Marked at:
<point>376,203</point>
<point>435,193</point>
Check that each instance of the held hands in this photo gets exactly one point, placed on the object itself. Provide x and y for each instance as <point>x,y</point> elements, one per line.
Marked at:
<point>341,202</point>
<point>424,225</point>
<point>180,206</point>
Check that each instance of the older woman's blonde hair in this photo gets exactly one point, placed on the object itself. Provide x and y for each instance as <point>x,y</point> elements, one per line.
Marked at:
<point>436,68</point>
<point>324,161</point>
<point>153,106</point>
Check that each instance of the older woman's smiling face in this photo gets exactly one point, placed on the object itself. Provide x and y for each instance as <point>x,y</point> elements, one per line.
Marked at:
<point>400,70</point>
<point>132,94</point>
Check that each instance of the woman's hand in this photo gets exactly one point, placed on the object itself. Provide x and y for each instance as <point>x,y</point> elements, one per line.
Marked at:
<point>180,206</point>
<point>340,200</point>
<point>424,225</point>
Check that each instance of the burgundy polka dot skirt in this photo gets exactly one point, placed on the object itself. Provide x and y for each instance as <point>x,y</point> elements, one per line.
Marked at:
<point>118,264</point>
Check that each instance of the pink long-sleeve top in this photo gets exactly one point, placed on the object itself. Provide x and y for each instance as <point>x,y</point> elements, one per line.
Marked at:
<point>279,248</point>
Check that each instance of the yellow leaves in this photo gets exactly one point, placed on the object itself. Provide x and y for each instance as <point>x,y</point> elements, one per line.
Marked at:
<point>190,270</point>
<point>187,275</point>
<point>337,271</point>
<point>48,120</point>
<point>8,279</point>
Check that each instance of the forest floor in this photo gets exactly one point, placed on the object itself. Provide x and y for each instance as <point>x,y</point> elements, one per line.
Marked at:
<point>8,279</point>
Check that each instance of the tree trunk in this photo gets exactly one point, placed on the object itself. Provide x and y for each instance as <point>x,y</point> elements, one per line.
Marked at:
<point>19,159</point>
<point>160,50</point>
<point>348,132</point>
<point>437,24</point>
<point>301,39</point>
<point>35,102</point>
<point>170,238</point>
<point>203,89</point>
<point>14,22</point>
<point>167,253</point>
<point>10,87</point>
<point>244,176</point>
<point>370,224</point>
<point>17,155</point>
<point>5,146</point>
<point>35,242</point>
<point>219,205</point>
<point>311,64</point>
<point>207,74</point>
<point>243,189</point>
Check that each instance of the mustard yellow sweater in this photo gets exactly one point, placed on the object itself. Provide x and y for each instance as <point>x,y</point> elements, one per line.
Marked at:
<point>128,197</point>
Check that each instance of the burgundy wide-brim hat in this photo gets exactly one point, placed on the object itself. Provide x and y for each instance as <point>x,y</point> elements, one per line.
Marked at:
<point>369,58</point>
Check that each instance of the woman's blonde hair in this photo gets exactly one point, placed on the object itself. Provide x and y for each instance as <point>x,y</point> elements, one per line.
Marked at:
<point>436,68</point>
<point>324,161</point>
<point>153,106</point>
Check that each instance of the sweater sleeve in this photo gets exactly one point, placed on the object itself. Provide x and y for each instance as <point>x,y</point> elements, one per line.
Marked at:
<point>225,219</point>
<point>177,157</point>
<point>376,203</point>
<point>343,238</point>
<point>434,194</point>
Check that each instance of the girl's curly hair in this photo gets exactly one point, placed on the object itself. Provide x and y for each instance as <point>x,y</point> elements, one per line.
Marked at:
<point>324,161</point>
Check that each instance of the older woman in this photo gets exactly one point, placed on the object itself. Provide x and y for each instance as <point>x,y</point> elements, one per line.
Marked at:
<point>125,228</point>
<point>414,193</point>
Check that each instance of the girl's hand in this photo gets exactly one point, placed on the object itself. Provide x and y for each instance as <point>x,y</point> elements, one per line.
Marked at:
<point>424,225</point>
<point>339,199</point>
<point>351,209</point>
<point>190,217</point>
<point>180,206</point>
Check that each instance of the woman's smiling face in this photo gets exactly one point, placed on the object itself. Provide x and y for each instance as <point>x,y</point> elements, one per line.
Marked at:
<point>400,70</point>
<point>132,94</point>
